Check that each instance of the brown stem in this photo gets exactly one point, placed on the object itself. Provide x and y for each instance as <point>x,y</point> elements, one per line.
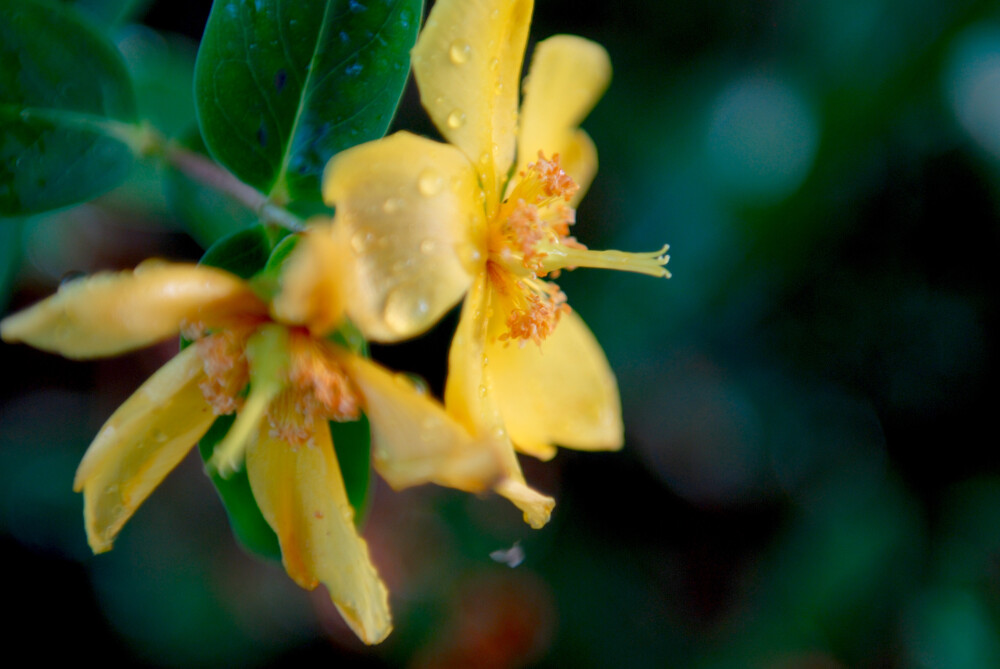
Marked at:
<point>206,171</point>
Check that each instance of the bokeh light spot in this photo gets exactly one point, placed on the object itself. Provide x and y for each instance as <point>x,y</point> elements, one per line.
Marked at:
<point>972,84</point>
<point>762,138</point>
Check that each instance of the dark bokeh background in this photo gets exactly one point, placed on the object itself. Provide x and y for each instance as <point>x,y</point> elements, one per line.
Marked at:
<point>810,477</point>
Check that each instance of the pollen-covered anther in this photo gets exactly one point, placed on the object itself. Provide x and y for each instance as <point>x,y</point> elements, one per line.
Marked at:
<point>288,420</point>
<point>555,182</point>
<point>223,356</point>
<point>326,392</point>
<point>524,229</point>
<point>537,317</point>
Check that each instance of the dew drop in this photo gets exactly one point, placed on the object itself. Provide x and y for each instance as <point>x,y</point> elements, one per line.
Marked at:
<point>361,240</point>
<point>392,205</point>
<point>429,183</point>
<point>494,65</point>
<point>482,391</point>
<point>427,246</point>
<point>159,436</point>
<point>484,158</point>
<point>459,52</point>
<point>402,311</point>
<point>456,119</point>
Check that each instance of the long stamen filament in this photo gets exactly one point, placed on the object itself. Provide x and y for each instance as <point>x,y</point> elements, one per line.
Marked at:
<point>559,256</point>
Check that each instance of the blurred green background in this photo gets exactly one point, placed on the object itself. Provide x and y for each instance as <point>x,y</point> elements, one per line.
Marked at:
<point>809,478</point>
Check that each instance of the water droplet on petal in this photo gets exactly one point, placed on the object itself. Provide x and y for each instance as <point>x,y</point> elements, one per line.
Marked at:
<point>456,119</point>
<point>429,183</point>
<point>459,52</point>
<point>482,391</point>
<point>392,205</point>
<point>427,246</point>
<point>494,65</point>
<point>402,312</point>
<point>361,240</point>
<point>159,436</point>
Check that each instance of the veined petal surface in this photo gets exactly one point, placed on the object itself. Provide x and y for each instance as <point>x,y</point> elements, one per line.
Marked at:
<point>140,444</point>
<point>562,392</point>
<point>467,63</point>
<point>301,494</point>
<point>110,313</point>
<point>414,440</point>
<point>566,78</point>
<point>409,210</point>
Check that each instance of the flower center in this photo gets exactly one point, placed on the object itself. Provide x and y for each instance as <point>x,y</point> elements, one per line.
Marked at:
<point>529,239</point>
<point>316,387</point>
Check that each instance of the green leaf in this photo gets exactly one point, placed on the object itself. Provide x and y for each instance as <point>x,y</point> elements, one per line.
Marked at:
<point>352,444</point>
<point>245,517</point>
<point>243,253</point>
<point>283,85</point>
<point>66,106</point>
<point>208,215</point>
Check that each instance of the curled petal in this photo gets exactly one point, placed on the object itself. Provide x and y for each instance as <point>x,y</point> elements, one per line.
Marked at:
<point>467,63</point>
<point>140,444</point>
<point>414,440</point>
<point>562,392</point>
<point>537,507</point>
<point>567,76</point>
<point>110,313</point>
<point>301,494</point>
<point>311,283</point>
<point>408,210</point>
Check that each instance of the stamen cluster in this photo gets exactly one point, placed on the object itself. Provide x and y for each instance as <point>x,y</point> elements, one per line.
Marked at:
<point>316,388</point>
<point>533,222</point>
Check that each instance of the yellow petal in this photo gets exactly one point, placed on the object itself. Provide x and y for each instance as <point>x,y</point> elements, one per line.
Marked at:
<point>414,440</point>
<point>467,63</point>
<point>567,76</point>
<point>301,494</point>
<point>109,313</point>
<point>267,355</point>
<point>471,399</point>
<point>311,284</point>
<point>562,392</point>
<point>467,393</point>
<point>408,209</point>
<point>140,444</point>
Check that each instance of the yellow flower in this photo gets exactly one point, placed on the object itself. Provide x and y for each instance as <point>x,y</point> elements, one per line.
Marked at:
<point>427,223</point>
<point>298,381</point>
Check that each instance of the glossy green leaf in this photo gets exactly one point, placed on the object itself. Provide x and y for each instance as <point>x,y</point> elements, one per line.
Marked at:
<point>283,85</point>
<point>245,517</point>
<point>66,109</point>
<point>207,214</point>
